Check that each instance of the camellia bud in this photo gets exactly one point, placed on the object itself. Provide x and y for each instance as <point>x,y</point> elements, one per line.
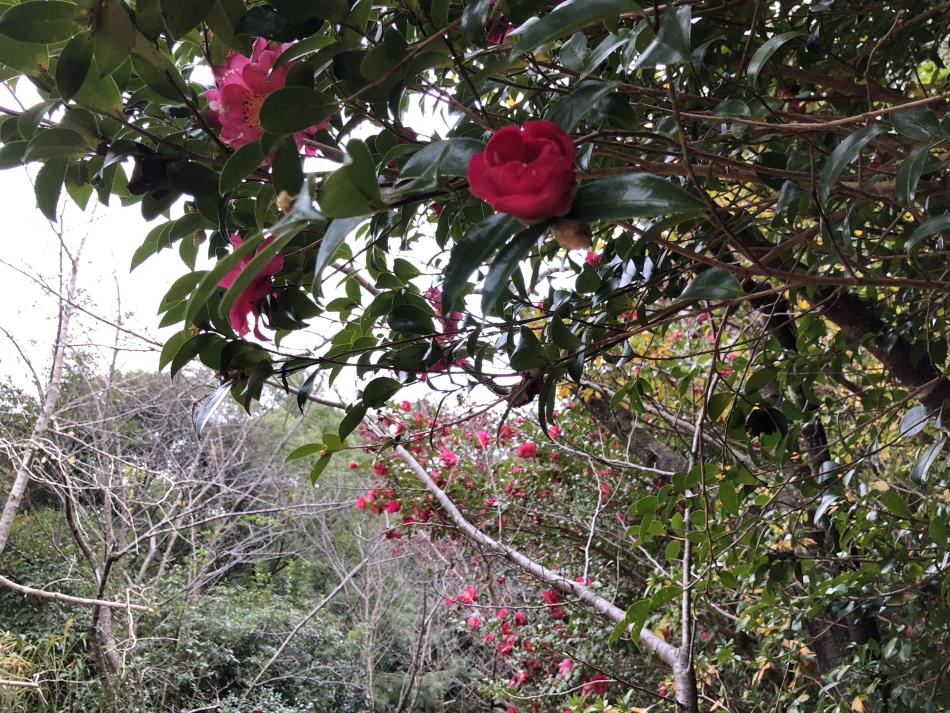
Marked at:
<point>285,202</point>
<point>572,234</point>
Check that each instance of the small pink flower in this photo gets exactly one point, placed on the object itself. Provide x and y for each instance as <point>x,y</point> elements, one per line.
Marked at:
<point>583,580</point>
<point>498,31</point>
<point>505,648</point>
<point>380,469</point>
<point>354,465</point>
<point>468,596</point>
<point>592,258</point>
<point>512,709</point>
<point>241,85</point>
<point>488,638</point>
<point>702,317</point>
<point>519,679</point>
<point>564,668</point>
<point>731,356</point>
<point>361,503</point>
<point>520,618</point>
<point>554,431</point>
<point>448,457</point>
<point>391,506</point>
<point>449,601</point>
<point>248,303</point>
<point>725,373</point>
<point>483,438</point>
<point>596,685</point>
<point>605,489</point>
<point>556,612</point>
<point>527,450</point>
<point>551,596</point>
<point>405,407</point>
<point>704,635</point>
<point>474,622</point>
<point>502,613</point>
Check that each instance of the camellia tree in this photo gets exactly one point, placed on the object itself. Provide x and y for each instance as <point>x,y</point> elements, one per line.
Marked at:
<point>762,191</point>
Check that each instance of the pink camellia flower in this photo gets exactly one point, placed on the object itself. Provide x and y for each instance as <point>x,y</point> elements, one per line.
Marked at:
<point>527,450</point>
<point>592,258</point>
<point>361,503</point>
<point>519,679</point>
<point>405,407</point>
<point>554,431</point>
<point>448,457</point>
<point>502,613</point>
<point>596,685</point>
<point>248,304</point>
<point>474,622</point>
<point>468,596</point>
<point>512,709</point>
<point>556,612</point>
<point>521,618</point>
<point>354,465</point>
<point>483,438</point>
<point>498,31</point>
<point>241,85</point>
<point>731,356</point>
<point>605,489</point>
<point>564,667</point>
<point>551,596</point>
<point>380,469</point>
<point>391,506</point>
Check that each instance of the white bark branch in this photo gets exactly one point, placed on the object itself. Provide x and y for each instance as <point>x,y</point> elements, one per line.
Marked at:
<point>68,598</point>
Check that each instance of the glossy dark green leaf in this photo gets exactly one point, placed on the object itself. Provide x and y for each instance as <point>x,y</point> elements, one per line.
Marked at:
<point>914,421</point>
<point>929,227</point>
<point>450,156</point>
<point>49,185</point>
<point>254,268</point>
<point>338,231</point>
<point>411,319</point>
<point>191,348</point>
<point>319,467</point>
<point>43,21</point>
<point>764,53</point>
<point>73,65</point>
<point>571,109</point>
<point>638,195</point>
<point>473,19</point>
<point>181,16</point>
<point>56,142</point>
<point>568,17</point>
<point>471,251</point>
<point>672,42</point>
<point>240,165</point>
<point>895,504</point>
<point>287,169</point>
<point>716,285</point>
<point>844,154</point>
<point>919,123</point>
<point>910,171</point>
<point>292,109</point>
<point>380,390</point>
<point>353,189</point>
<point>504,264</point>
<point>192,178</point>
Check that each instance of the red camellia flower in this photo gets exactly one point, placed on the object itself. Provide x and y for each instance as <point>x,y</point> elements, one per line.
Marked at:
<point>596,684</point>
<point>526,171</point>
<point>260,287</point>
<point>527,450</point>
<point>241,85</point>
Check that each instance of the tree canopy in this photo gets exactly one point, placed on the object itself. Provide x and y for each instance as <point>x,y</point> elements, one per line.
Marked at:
<point>715,228</point>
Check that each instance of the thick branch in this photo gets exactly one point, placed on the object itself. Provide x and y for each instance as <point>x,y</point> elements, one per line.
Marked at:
<point>68,598</point>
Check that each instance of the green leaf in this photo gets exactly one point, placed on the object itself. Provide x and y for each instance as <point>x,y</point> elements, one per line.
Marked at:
<point>632,622</point>
<point>192,178</point>
<point>181,16</point>
<point>73,65</point>
<point>528,353</point>
<point>918,473</point>
<point>895,504</point>
<point>760,378</point>
<point>471,251</point>
<point>451,157</point>
<point>254,268</point>
<point>332,239</point>
<point>292,109</point>
<point>354,416</point>
<point>240,165</point>
<point>303,48</point>
<point>411,319</point>
<point>43,21</point>
<point>764,53</point>
<point>914,421</point>
<point>212,280</point>
<point>637,195</point>
<point>353,189</point>
<point>844,154</point>
<point>568,17</point>
<point>286,168</point>
<point>715,284</point>
<point>937,224</point>
<point>49,185</point>
<point>305,450</point>
<point>566,339</point>
<point>172,346</point>
<point>379,391</point>
<point>919,123</point>
<point>12,154</point>
<point>505,263</point>
<point>319,467</point>
<point>116,36</point>
<point>191,348</point>
<point>910,171</point>
<point>56,143</point>
<point>474,17</point>
<point>570,110</point>
<point>671,45</point>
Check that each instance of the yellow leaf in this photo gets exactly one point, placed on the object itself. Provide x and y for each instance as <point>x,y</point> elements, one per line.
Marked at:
<point>879,485</point>
<point>857,704</point>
